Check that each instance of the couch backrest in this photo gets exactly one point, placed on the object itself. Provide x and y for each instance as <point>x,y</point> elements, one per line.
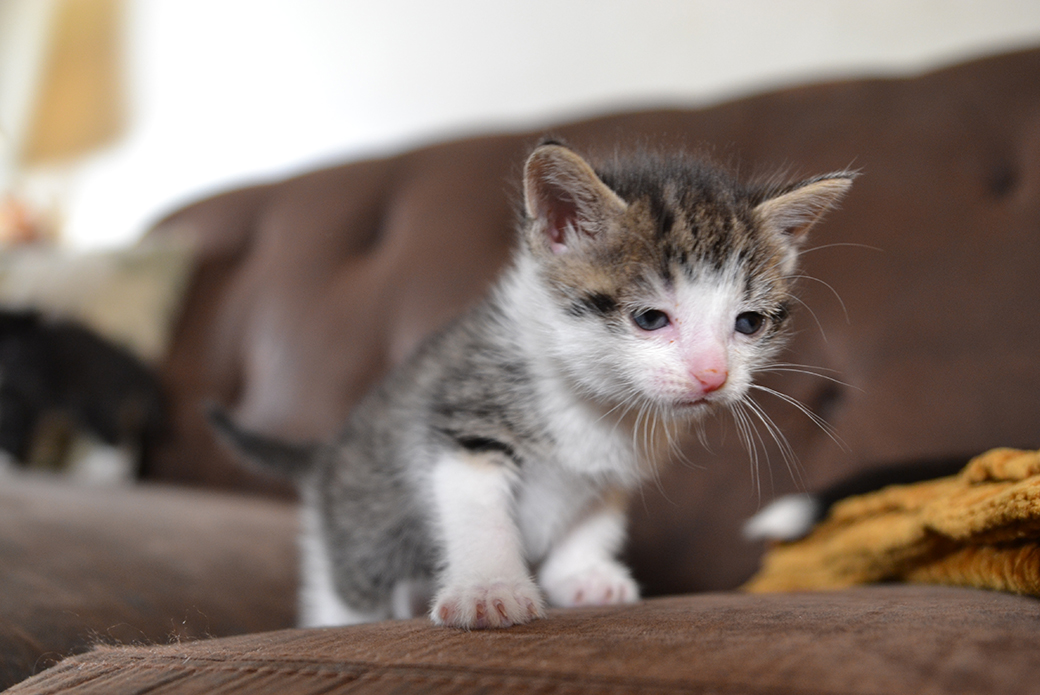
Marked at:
<point>921,296</point>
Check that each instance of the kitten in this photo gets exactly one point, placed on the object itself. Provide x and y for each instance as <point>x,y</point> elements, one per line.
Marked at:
<point>642,295</point>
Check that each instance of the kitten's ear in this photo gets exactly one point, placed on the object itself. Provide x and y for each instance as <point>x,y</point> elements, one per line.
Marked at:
<point>794,210</point>
<point>567,201</point>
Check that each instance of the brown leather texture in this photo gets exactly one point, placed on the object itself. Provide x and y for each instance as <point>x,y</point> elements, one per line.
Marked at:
<point>889,639</point>
<point>149,565</point>
<point>919,293</point>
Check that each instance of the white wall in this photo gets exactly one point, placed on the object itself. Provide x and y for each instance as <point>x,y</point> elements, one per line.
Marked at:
<point>226,91</point>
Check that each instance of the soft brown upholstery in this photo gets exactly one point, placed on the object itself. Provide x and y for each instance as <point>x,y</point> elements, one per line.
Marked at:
<point>923,303</point>
<point>848,642</point>
<point>82,566</point>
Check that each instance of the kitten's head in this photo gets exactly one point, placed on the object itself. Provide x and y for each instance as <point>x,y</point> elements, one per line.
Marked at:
<point>670,282</point>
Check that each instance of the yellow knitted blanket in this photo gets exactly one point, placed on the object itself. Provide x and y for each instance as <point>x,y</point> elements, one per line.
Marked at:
<point>979,528</point>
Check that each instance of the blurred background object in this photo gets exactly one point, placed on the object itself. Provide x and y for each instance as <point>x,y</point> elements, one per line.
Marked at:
<point>117,111</point>
<point>61,100</point>
<point>79,104</point>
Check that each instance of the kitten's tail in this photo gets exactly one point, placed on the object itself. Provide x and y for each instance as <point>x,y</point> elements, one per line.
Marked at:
<point>791,517</point>
<point>288,459</point>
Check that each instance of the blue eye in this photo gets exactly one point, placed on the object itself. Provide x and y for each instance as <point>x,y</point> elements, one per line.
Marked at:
<point>651,319</point>
<point>749,323</point>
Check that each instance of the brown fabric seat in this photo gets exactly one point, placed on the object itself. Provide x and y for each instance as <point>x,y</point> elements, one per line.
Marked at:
<point>920,301</point>
<point>844,642</point>
<point>82,566</point>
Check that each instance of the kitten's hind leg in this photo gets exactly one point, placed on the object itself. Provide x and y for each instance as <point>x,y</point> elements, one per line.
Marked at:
<point>485,582</point>
<point>320,603</point>
<point>581,569</point>
<point>410,599</point>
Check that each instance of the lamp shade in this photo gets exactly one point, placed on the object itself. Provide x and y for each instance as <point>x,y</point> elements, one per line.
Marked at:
<point>79,104</point>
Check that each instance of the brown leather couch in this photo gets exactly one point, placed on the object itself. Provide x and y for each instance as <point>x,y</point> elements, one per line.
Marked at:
<point>921,295</point>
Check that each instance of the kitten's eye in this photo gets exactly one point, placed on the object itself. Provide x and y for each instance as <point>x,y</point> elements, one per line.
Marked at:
<point>651,319</point>
<point>749,323</point>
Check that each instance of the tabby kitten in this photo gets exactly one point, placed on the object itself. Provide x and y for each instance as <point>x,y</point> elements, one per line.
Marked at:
<point>491,471</point>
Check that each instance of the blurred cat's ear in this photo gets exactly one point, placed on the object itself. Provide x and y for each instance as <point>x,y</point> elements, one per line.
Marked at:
<point>793,210</point>
<point>567,202</point>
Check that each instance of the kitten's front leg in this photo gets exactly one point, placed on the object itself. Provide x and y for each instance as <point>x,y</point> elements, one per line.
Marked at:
<point>582,569</point>
<point>486,582</point>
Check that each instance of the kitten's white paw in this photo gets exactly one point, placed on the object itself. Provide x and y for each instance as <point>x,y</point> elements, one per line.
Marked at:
<point>495,604</point>
<point>597,585</point>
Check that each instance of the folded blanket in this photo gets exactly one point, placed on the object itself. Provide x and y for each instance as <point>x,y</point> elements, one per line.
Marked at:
<point>979,528</point>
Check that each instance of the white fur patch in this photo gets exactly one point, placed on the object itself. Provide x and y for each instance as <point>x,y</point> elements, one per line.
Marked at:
<point>785,519</point>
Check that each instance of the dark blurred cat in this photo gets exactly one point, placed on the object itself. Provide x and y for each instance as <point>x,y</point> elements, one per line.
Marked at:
<point>57,367</point>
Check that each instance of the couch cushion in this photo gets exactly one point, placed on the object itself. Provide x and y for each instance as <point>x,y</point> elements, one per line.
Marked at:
<point>887,639</point>
<point>82,566</point>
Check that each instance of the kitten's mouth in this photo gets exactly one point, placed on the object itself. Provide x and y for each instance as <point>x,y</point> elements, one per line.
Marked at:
<point>694,403</point>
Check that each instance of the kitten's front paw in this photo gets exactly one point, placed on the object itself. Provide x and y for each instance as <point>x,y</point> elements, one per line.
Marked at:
<point>496,604</point>
<point>598,585</point>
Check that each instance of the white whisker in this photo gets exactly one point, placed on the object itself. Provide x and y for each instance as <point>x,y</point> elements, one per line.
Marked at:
<point>827,428</point>
<point>840,244</point>
<point>815,317</point>
<point>740,420</point>
<point>786,450</point>
<point>837,296</point>
<point>798,369</point>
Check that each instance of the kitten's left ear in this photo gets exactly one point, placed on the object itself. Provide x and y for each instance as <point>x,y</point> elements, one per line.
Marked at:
<point>795,210</point>
<point>566,200</point>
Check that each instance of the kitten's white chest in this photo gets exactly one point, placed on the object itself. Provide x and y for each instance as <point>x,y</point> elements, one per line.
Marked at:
<point>593,454</point>
<point>611,445</point>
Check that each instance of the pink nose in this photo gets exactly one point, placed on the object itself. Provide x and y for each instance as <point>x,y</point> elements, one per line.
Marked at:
<point>711,379</point>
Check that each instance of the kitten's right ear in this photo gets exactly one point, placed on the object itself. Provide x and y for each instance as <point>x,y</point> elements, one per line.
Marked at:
<point>792,212</point>
<point>564,197</point>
